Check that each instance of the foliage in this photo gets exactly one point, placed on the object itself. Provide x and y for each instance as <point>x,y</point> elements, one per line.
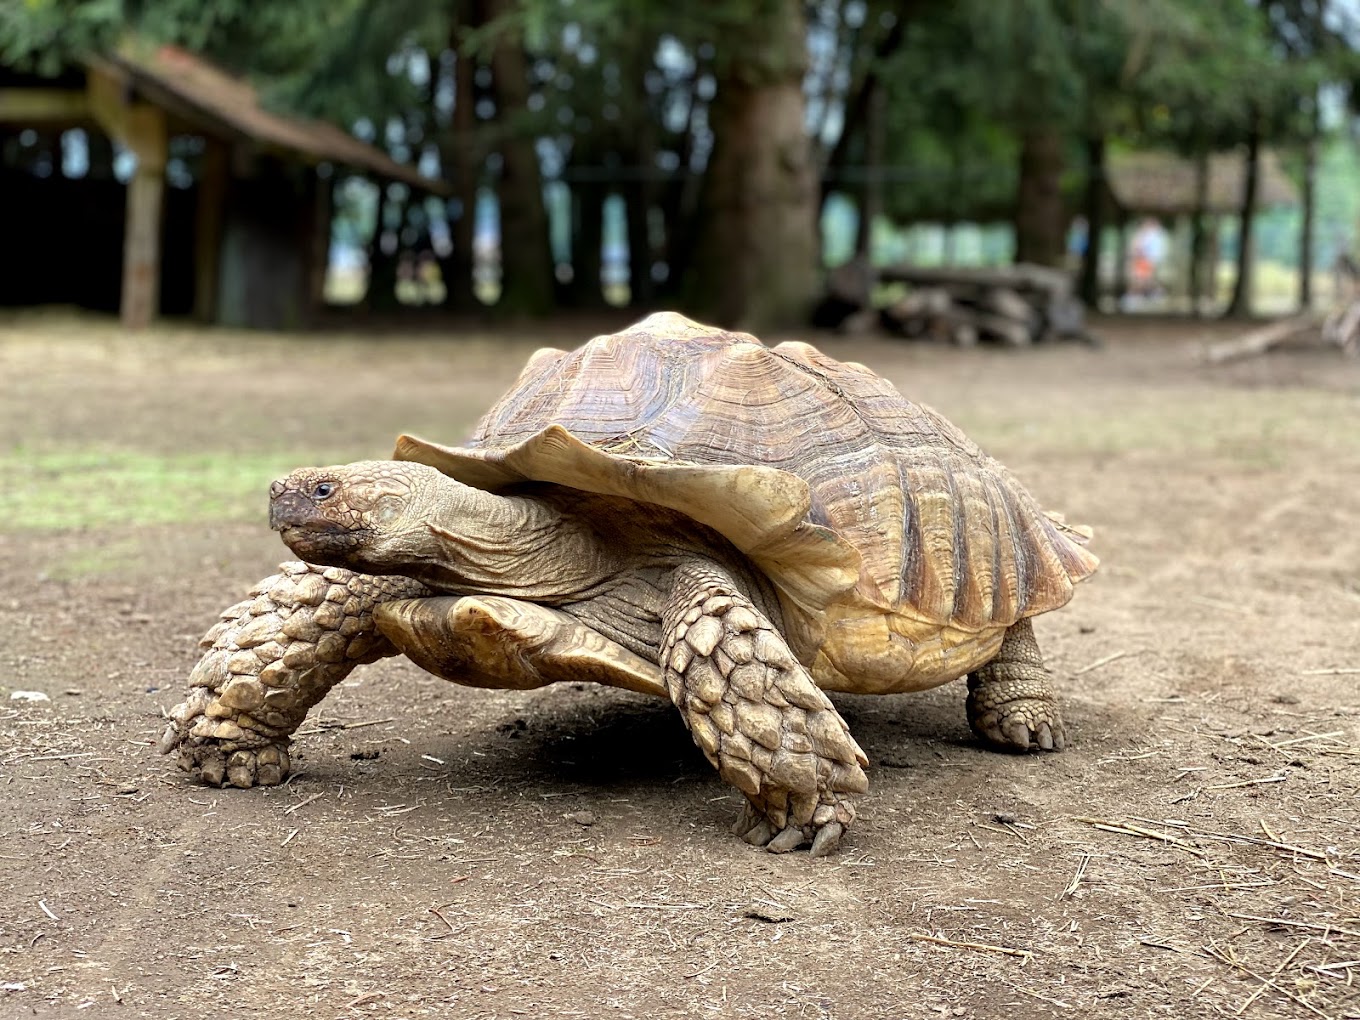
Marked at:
<point>619,92</point>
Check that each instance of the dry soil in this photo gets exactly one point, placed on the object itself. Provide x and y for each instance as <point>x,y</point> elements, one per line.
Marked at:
<point>450,852</point>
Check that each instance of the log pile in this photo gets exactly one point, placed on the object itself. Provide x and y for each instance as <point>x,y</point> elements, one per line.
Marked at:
<point>1012,305</point>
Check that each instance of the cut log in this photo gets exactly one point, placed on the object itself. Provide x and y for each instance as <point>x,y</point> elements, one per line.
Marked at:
<point>1258,341</point>
<point>913,313</point>
<point>988,326</point>
<point>965,335</point>
<point>1009,304</point>
<point>1342,328</point>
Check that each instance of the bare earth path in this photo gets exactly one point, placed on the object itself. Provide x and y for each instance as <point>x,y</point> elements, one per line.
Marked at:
<point>450,852</point>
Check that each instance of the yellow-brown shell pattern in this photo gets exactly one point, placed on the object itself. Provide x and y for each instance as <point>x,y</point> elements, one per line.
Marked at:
<point>943,530</point>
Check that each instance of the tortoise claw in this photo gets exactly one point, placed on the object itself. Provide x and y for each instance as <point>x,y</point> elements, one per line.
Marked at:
<point>827,839</point>
<point>790,839</point>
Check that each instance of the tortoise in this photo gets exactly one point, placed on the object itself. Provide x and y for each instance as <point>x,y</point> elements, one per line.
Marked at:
<point>679,511</point>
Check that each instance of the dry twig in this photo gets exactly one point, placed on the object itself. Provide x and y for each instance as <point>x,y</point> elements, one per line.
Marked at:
<point>1215,954</point>
<point>982,947</point>
<point>302,803</point>
<point>1138,830</point>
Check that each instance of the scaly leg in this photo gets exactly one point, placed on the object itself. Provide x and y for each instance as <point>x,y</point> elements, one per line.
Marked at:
<point>268,661</point>
<point>1011,704</point>
<point>757,715</point>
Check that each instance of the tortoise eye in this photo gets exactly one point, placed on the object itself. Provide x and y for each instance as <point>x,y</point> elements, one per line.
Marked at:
<point>323,490</point>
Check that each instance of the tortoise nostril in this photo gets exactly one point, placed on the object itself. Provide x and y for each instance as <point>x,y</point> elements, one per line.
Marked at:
<point>276,488</point>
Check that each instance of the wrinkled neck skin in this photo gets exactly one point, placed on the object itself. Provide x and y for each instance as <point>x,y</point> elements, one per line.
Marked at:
<point>468,541</point>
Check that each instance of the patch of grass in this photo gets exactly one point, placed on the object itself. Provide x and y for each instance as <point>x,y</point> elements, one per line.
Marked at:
<point>79,488</point>
<point>101,560</point>
<point>1260,429</point>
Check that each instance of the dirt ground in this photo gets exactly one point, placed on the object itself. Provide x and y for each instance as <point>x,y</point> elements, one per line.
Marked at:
<point>442,851</point>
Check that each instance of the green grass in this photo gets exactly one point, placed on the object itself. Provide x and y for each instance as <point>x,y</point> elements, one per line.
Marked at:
<point>1245,427</point>
<point>59,488</point>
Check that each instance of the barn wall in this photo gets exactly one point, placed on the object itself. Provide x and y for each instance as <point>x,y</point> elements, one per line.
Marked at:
<point>64,242</point>
<point>265,265</point>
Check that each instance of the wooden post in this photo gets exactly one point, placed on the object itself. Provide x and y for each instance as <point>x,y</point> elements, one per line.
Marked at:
<point>142,231</point>
<point>208,219</point>
<point>318,242</point>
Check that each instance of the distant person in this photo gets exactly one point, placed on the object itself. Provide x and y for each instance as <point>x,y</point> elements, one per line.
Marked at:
<point>1147,251</point>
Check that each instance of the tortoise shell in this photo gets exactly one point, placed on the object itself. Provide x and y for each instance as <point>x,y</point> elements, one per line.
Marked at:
<point>900,551</point>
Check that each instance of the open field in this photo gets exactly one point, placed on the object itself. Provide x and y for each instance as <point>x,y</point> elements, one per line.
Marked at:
<point>450,852</point>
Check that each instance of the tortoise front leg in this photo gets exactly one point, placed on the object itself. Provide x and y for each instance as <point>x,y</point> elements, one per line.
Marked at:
<point>504,643</point>
<point>1011,704</point>
<point>268,661</point>
<point>757,715</point>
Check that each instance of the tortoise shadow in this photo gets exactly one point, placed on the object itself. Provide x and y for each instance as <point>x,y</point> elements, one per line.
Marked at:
<point>620,739</point>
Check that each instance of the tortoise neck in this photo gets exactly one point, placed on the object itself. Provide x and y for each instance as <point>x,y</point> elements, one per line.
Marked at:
<point>513,545</point>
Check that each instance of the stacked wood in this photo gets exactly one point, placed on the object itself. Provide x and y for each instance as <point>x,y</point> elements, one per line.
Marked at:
<point>1012,305</point>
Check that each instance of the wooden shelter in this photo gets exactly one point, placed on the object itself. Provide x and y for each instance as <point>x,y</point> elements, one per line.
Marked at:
<point>1163,185</point>
<point>241,237</point>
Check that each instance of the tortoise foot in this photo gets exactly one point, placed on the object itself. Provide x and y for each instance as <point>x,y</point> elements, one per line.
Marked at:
<point>267,661</point>
<point>210,743</point>
<point>1011,704</point>
<point>824,837</point>
<point>758,716</point>
<point>1016,723</point>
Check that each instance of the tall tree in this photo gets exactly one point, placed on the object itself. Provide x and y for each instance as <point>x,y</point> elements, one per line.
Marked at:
<point>756,250</point>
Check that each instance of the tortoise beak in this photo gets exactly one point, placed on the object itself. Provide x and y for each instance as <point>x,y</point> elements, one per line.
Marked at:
<point>289,508</point>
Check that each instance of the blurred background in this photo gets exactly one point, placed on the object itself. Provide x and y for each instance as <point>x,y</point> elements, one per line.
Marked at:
<point>263,164</point>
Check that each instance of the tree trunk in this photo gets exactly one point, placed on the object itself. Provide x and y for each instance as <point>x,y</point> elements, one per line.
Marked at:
<point>381,294</point>
<point>1040,221</point>
<point>527,282</point>
<point>1240,304</point>
<point>637,209</point>
<point>639,196</point>
<point>755,263</point>
<point>1310,155</point>
<point>1089,286</point>
<point>587,237</point>
<point>857,101</point>
<point>679,204</point>
<point>1198,232</point>
<point>871,190</point>
<point>459,153</point>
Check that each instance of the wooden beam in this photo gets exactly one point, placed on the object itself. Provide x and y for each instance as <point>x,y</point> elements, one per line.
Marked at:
<point>106,88</point>
<point>43,106</point>
<point>146,137</point>
<point>208,220</point>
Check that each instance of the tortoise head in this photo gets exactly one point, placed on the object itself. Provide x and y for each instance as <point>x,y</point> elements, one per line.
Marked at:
<point>369,515</point>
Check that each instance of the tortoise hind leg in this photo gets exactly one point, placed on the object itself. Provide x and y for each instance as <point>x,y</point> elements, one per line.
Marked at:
<point>1011,704</point>
<point>757,715</point>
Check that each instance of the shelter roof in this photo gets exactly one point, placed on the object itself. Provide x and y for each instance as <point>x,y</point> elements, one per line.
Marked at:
<point>1163,184</point>
<point>205,96</point>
